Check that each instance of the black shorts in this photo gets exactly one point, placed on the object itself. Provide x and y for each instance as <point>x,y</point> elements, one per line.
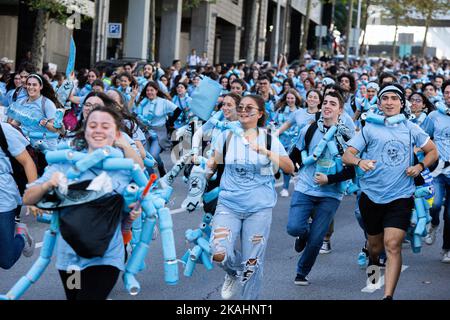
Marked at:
<point>395,214</point>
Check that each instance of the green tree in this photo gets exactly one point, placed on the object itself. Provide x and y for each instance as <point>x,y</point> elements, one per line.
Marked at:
<point>45,11</point>
<point>253,33</point>
<point>305,31</point>
<point>430,10</point>
<point>399,12</point>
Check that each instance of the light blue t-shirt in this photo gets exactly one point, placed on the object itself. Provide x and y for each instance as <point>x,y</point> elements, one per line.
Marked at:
<point>441,133</point>
<point>426,125</point>
<point>22,94</point>
<point>348,106</point>
<point>301,118</point>
<point>114,255</point>
<point>348,122</point>
<point>138,134</point>
<point>156,111</point>
<point>247,184</point>
<point>392,148</point>
<point>290,136</point>
<point>9,193</point>
<point>45,110</point>
<point>305,183</point>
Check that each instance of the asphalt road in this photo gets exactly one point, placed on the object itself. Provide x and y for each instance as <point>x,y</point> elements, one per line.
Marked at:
<point>335,276</point>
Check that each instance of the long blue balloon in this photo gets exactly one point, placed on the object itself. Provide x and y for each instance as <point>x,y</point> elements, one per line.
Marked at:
<point>71,62</point>
<point>204,99</point>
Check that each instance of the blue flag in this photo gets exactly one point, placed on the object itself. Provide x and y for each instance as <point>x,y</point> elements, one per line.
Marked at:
<point>204,98</point>
<point>71,62</point>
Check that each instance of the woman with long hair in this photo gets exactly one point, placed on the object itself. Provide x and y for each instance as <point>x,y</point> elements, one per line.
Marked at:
<point>242,213</point>
<point>98,272</point>
<point>19,92</point>
<point>100,99</point>
<point>182,99</point>
<point>36,113</point>
<point>131,123</point>
<point>155,110</point>
<point>285,110</point>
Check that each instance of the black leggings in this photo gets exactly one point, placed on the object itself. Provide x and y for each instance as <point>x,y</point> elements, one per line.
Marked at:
<point>96,283</point>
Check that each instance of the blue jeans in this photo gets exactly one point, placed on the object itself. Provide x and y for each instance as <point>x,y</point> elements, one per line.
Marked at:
<point>301,208</point>
<point>252,229</point>
<point>286,180</point>
<point>154,148</point>
<point>442,190</point>
<point>10,246</point>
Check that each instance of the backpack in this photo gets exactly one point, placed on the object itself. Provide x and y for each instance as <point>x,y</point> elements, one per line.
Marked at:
<point>18,173</point>
<point>295,153</point>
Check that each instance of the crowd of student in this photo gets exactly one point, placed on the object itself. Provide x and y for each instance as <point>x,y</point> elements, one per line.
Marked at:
<point>311,120</point>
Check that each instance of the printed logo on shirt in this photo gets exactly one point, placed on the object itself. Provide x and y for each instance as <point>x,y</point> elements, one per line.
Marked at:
<point>446,136</point>
<point>394,153</point>
<point>243,172</point>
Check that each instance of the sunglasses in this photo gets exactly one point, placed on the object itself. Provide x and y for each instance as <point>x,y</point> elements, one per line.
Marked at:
<point>245,109</point>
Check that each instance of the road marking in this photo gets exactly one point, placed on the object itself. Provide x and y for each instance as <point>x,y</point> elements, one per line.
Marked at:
<point>373,287</point>
<point>38,245</point>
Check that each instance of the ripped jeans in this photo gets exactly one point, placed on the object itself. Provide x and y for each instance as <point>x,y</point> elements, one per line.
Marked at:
<point>253,231</point>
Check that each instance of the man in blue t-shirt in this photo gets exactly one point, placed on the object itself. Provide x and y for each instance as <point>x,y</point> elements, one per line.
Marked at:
<point>441,136</point>
<point>386,155</point>
<point>315,190</point>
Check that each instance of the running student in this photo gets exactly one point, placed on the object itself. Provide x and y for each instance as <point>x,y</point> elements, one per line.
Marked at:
<point>316,193</point>
<point>386,155</point>
<point>246,199</point>
<point>98,274</point>
<point>14,238</point>
<point>441,134</point>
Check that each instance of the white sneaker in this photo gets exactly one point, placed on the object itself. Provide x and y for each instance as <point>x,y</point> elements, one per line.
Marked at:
<point>431,236</point>
<point>284,193</point>
<point>446,256</point>
<point>230,287</point>
<point>28,249</point>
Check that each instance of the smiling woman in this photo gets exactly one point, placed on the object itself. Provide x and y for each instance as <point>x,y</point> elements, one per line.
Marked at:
<point>241,211</point>
<point>98,274</point>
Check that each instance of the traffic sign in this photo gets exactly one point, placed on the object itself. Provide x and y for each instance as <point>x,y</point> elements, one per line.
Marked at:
<point>114,30</point>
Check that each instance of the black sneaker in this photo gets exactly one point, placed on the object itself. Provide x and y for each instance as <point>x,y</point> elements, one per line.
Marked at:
<point>300,244</point>
<point>388,298</point>
<point>326,247</point>
<point>301,280</point>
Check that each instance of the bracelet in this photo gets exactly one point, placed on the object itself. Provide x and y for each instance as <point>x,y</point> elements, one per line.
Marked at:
<point>358,162</point>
